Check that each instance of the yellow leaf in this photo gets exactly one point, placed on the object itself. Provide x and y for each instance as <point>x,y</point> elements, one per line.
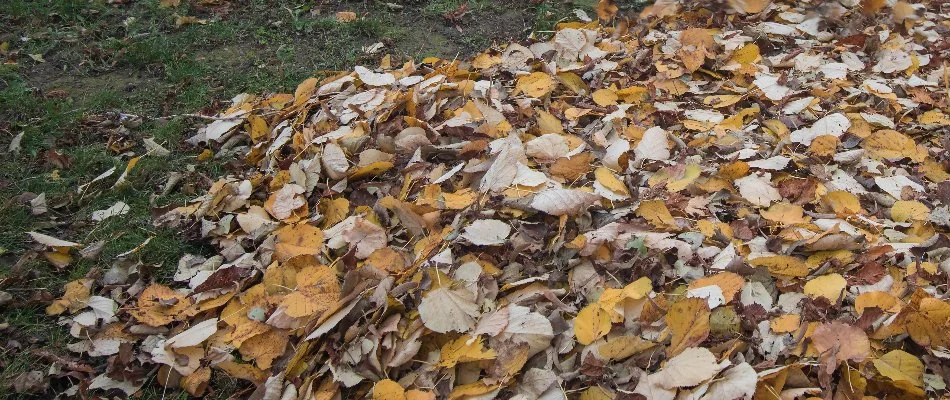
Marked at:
<point>416,394</point>
<point>657,214</point>
<point>722,100</point>
<point>122,181</point>
<point>205,155</point>
<point>934,171</point>
<point>824,145</point>
<point>388,389</point>
<point>901,366</point>
<point>573,82</point>
<point>548,123</point>
<point>860,127</point>
<point>785,214</point>
<point>485,60</point>
<point>676,177</point>
<point>257,128</point>
<point>460,199</point>
<point>696,42</point>
<point>305,90</point>
<point>730,283</point>
<point>748,54</point>
<point>818,258</point>
<point>280,278</point>
<point>932,117</point>
<point>633,94</point>
<point>749,6</point>
<point>787,266</point>
<point>688,320</point>
<point>537,84</point>
<point>591,323</point>
<point>334,210</point>
<point>59,257</point>
<point>611,298</point>
<point>345,16</point>
<point>317,292</point>
<point>610,181</point>
<point>883,300</point>
<point>294,240</point>
<point>196,383</point>
<point>606,9</point>
<point>595,393</point>
<point>181,20</point>
<point>830,286</point>
<point>785,323</point>
<point>734,170</point>
<point>929,324</point>
<point>387,259</point>
<point>460,351</point>
<point>370,170</point>
<point>842,203</point>
<point>246,372</point>
<point>604,97</point>
<point>264,348</point>
<point>75,297</point>
<point>621,347</point>
<point>159,305</point>
<point>478,389</point>
<point>891,144</point>
<point>908,210</point>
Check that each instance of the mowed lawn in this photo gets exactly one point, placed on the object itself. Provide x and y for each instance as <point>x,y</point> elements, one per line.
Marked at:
<point>84,83</point>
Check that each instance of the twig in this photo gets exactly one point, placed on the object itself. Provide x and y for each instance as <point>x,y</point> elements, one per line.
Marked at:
<point>199,116</point>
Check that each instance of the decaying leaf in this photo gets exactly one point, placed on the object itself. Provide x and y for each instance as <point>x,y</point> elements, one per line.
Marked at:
<point>702,202</point>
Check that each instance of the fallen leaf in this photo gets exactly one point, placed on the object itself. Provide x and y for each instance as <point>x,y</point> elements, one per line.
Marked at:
<point>536,84</point>
<point>444,310</point>
<point>901,367</point>
<point>830,286</point>
<point>345,16</point>
<point>486,232</point>
<point>688,320</point>
<point>591,323</point>
<point>117,209</point>
<point>689,368</point>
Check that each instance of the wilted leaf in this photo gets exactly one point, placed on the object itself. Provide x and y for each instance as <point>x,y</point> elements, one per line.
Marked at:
<point>901,366</point>
<point>563,201</point>
<point>487,232</point>
<point>591,323</point>
<point>688,319</point>
<point>444,310</point>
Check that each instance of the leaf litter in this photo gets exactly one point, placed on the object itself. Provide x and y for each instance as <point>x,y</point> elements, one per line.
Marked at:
<point>692,203</point>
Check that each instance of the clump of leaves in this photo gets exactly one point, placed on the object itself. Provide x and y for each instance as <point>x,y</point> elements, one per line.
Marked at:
<point>658,208</point>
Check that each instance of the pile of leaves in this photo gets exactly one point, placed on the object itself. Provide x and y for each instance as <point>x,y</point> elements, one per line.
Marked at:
<point>696,203</point>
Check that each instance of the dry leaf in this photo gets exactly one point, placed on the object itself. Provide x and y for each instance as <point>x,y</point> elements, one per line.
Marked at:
<point>486,232</point>
<point>591,323</point>
<point>688,320</point>
<point>688,368</point>
<point>345,16</point>
<point>444,310</point>
<point>901,367</point>
<point>563,201</point>
<point>317,291</point>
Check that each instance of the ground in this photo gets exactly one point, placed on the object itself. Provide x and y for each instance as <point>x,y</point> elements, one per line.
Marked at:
<point>83,82</point>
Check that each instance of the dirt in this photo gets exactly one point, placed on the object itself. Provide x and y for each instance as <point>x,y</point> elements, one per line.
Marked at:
<point>440,38</point>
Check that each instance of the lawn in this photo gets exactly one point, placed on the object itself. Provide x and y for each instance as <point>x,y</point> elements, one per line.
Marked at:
<point>83,83</point>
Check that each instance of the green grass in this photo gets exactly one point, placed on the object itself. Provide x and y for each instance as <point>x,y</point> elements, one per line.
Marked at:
<point>130,58</point>
<point>439,8</point>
